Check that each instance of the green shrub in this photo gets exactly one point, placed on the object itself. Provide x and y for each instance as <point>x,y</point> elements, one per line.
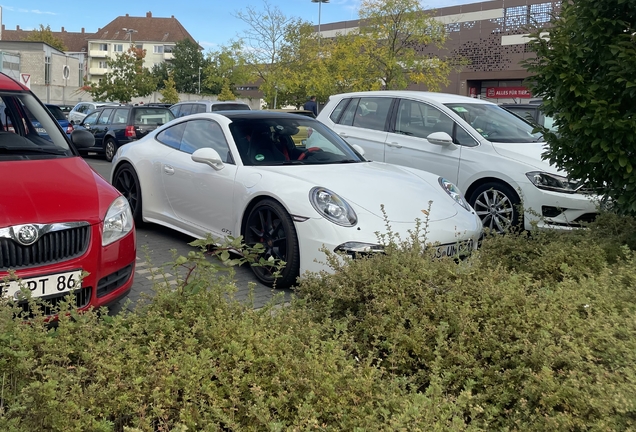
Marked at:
<point>539,330</point>
<point>532,333</point>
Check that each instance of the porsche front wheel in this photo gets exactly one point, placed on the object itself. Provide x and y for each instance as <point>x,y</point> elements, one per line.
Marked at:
<point>269,224</point>
<point>126,181</point>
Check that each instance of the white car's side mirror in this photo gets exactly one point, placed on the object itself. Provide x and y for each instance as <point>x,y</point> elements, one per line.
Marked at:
<point>358,149</point>
<point>440,138</point>
<point>208,156</point>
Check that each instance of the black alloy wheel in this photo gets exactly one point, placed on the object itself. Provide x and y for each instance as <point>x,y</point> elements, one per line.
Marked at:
<point>497,205</point>
<point>126,181</point>
<point>269,224</point>
<point>110,148</point>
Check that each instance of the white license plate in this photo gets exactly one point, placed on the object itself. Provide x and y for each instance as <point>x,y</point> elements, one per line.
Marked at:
<point>455,249</point>
<point>42,286</point>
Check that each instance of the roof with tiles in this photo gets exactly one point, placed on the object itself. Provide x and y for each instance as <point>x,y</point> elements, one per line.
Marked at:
<point>147,28</point>
<point>74,41</point>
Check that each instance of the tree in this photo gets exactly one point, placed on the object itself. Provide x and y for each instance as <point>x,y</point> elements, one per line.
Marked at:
<point>227,66</point>
<point>264,39</point>
<point>226,93</point>
<point>161,73</point>
<point>44,34</point>
<point>169,93</point>
<point>187,58</point>
<point>127,78</point>
<point>585,70</point>
<point>395,29</point>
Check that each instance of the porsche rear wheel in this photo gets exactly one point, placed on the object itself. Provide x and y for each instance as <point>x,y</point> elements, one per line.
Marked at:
<point>269,224</point>
<point>126,181</point>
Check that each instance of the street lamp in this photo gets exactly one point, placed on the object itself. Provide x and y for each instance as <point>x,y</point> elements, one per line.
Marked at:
<point>130,31</point>
<point>320,2</point>
<point>199,79</point>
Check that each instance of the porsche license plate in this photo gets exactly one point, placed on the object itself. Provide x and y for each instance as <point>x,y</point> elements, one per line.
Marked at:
<point>42,286</point>
<point>455,249</point>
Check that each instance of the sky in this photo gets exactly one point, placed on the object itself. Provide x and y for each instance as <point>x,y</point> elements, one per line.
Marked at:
<point>212,23</point>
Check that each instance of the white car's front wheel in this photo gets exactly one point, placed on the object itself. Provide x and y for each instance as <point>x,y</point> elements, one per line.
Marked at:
<point>497,205</point>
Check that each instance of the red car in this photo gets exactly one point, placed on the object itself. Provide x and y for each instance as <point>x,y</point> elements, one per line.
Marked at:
<point>59,220</point>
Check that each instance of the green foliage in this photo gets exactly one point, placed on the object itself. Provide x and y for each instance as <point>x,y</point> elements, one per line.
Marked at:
<point>161,72</point>
<point>533,332</point>
<point>585,69</point>
<point>169,93</point>
<point>187,58</point>
<point>44,34</point>
<point>127,78</point>
<point>226,93</point>
<point>226,67</point>
<point>394,30</point>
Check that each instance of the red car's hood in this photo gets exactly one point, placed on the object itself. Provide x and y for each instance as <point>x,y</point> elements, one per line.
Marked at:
<point>52,190</point>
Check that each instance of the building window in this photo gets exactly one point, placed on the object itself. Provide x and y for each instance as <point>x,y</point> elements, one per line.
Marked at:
<point>103,64</point>
<point>47,70</point>
<point>168,48</point>
<point>158,49</point>
<point>118,48</point>
<point>103,47</point>
<point>139,46</point>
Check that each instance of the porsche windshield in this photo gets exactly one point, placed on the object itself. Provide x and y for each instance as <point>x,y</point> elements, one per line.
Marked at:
<point>27,130</point>
<point>289,141</point>
<point>495,123</point>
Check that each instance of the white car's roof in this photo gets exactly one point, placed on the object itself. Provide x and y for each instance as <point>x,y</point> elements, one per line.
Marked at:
<point>442,98</point>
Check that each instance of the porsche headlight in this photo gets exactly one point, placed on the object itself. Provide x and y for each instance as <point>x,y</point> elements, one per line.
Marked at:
<point>553,182</point>
<point>332,207</point>
<point>454,192</point>
<point>118,221</point>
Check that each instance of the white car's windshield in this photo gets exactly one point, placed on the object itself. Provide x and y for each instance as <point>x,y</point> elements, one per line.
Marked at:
<point>495,123</point>
<point>289,141</point>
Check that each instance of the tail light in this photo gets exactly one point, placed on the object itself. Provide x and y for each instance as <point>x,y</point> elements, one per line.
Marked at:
<point>69,128</point>
<point>309,132</point>
<point>130,132</point>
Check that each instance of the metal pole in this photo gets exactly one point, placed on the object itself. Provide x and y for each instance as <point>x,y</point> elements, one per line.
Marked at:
<point>199,80</point>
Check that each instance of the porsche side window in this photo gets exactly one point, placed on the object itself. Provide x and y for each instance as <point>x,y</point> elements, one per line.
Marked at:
<point>172,136</point>
<point>205,133</point>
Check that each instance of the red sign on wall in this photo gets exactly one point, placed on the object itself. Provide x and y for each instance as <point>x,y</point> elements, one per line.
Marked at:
<point>508,92</point>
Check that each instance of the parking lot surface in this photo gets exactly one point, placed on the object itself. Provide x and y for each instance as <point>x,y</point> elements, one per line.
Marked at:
<point>155,248</point>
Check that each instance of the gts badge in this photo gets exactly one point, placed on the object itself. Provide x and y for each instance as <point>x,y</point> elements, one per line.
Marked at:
<point>226,231</point>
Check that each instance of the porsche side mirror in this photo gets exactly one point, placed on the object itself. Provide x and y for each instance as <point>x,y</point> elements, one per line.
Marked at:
<point>208,156</point>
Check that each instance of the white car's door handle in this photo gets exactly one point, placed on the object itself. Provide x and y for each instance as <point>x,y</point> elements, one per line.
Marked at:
<point>344,135</point>
<point>168,169</point>
<point>394,144</point>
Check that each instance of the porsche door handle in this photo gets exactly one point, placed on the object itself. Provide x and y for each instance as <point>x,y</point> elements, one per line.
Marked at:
<point>168,169</point>
<point>394,144</point>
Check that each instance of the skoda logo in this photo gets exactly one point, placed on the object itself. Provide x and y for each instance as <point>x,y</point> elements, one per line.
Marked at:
<point>27,235</point>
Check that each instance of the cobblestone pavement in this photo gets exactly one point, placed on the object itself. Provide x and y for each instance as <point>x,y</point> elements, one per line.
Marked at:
<point>154,254</point>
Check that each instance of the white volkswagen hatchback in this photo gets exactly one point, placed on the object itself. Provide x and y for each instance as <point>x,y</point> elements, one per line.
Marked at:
<point>246,173</point>
<point>489,153</point>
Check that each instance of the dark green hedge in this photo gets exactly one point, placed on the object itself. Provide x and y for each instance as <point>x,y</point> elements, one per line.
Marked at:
<point>533,333</point>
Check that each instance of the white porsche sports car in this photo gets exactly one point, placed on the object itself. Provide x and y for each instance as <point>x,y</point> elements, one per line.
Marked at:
<point>287,182</point>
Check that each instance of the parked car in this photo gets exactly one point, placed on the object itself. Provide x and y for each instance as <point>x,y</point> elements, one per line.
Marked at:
<point>66,108</point>
<point>303,132</point>
<point>532,113</point>
<point>60,220</point>
<point>185,108</point>
<point>239,173</point>
<point>60,117</point>
<point>114,126</point>
<point>82,109</point>
<point>487,151</point>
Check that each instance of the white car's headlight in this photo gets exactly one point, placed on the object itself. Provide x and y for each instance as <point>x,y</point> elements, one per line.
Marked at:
<point>332,207</point>
<point>118,221</point>
<point>454,192</point>
<point>553,182</point>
